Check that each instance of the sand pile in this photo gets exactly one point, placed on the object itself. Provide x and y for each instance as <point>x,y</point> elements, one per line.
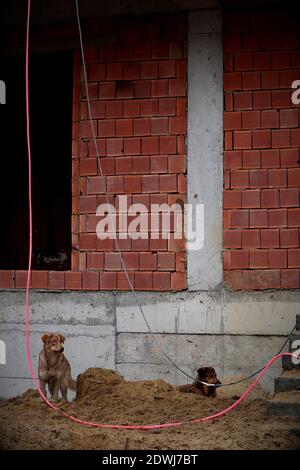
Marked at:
<point>103,396</point>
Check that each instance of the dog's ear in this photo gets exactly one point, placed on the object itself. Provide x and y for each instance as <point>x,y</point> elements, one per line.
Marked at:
<point>201,372</point>
<point>46,337</point>
<point>62,337</point>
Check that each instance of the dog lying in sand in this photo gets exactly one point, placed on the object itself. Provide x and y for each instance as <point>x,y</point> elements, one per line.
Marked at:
<point>54,368</point>
<point>205,374</point>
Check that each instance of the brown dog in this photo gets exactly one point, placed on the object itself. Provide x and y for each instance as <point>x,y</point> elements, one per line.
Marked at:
<point>205,374</point>
<point>54,369</point>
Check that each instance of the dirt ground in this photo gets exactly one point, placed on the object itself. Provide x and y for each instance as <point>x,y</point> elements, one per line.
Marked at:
<point>105,397</point>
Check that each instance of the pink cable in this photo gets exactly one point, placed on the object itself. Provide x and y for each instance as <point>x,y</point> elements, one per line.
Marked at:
<point>28,354</point>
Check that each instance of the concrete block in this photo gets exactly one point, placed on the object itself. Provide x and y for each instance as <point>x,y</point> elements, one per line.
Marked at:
<point>205,21</point>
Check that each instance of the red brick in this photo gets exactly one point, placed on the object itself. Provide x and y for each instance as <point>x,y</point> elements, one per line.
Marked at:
<point>261,100</point>
<point>177,164</point>
<point>159,126</point>
<point>286,77</point>
<point>98,109</point>
<point>290,278</point>
<point>258,178</point>
<point>88,166</point>
<point>178,281</point>
<point>232,120</point>
<point>149,107</point>
<point>108,281</point>
<point>253,279</point>
<point>148,261</point>
<point>95,261</point>
<point>177,87</point>
<point>115,184</point>
<point>106,128</point>
<point>289,197</point>
<point>281,99</point>
<point>277,178</point>
<point>232,81</point>
<point>261,139</point>
<point>149,145</point>
<point>243,100</point>
<point>294,217</point>
<point>143,280</point>
<point>288,118</point>
<point>232,199</point>
<point>181,68</point>
<point>251,158</point>
<point>232,159</point>
<point>107,52</point>
<point>150,183</point>
<point>149,70</point>
<point>239,218</point>
<point>180,262</point>
<point>239,179</point>
<point>122,281</point>
<point>281,138</point>
<point>250,238</point>
<point>132,184</point>
<point>132,71</point>
<point>181,106</point>
<point>124,127</point>
<point>166,261</point>
<point>251,119</point>
<point>239,259</point>
<point>262,61</point>
<point>242,140</point>
<point>228,62</point>
<point>56,280</point>
<point>259,259</point>
<point>160,50</point>
<point>86,129</point>
<point>72,280</point>
<point>161,281</point>
<point>270,79</point>
<point>88,204</point>
<point>232,239</point>
<point>87,241</point>
<point>177,125</point>
<point>132,146</point>
<point>21,279</point>
<point>142,89</point>
<point>270,119</point>
<point>39,280</point>
<point>114,147</point>
<point>228,101</point>
<point>294,177</point>
<point>159,164</point>
<point>232,42</point>
<point>295,137</point>
<point>112,262</point>
<point>167,106</point>
<point>96,72</point>
<point>96,185</point>
<point>277,218</point>
<point>277,258</point>
<point>168,183</point>
<point>142,51</point>
<point>251,80</point>
<point>269,238</point>
<point>258,218</point>
<point>269,198</point>
<point>289,238</point>
<point>131,261</point>
<point>228,144</point>
<point>132,109</point>
<point>114,71</point>
<point>107,90</point>
<point>141,127</point>
<point>289,157</point>
<point>251,199</point>
<point>141,165</point>
<point>280,59</point>
<point>294,258</point>
<point>123,165</point>
<point>270,158</point>
<point>159,88</point>
<point>243,61</point>
<point>167,68</point>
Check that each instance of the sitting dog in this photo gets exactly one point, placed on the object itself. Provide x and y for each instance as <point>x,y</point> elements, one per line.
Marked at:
<point>205,374</point>
<point>54,369</point>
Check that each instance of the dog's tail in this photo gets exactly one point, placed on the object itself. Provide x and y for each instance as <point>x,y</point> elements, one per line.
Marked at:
<point>72,384</point>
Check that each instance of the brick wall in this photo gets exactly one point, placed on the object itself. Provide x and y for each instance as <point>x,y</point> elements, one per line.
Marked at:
<point>137,88</point>
<point>261,154</point>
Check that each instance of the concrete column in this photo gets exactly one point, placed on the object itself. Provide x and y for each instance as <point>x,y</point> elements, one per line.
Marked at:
<point>205,143</point>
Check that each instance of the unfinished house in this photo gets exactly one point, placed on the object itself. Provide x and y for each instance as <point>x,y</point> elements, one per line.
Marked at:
<point>193,102</point>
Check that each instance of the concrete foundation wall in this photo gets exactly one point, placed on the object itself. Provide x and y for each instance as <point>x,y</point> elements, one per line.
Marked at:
<point>234,332</point>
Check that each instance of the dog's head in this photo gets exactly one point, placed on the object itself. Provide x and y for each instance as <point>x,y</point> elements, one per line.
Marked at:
<point>54,342</point>
<point>208,375</point>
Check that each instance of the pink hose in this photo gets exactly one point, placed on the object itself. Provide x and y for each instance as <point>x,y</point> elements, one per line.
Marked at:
<point>30,365</point>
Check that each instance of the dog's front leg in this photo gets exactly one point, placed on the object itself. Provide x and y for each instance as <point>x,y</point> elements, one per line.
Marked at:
<point>43,387</point>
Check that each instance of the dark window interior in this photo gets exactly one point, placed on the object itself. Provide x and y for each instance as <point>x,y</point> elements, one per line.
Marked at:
<point>50,77</point>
